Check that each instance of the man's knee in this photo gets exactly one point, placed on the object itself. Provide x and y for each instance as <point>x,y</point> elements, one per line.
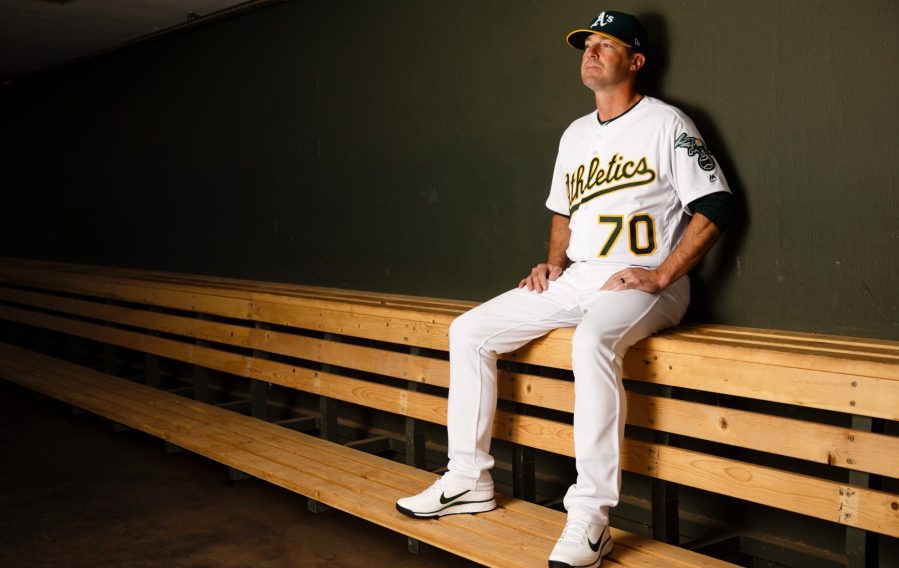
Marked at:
<point>466,328</point>
<point>587,340</point>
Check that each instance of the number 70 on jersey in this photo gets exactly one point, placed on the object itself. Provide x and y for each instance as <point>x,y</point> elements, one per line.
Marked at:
<point>641,234</point>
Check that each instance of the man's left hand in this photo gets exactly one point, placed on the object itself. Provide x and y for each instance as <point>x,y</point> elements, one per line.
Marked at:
<point>635,279</point>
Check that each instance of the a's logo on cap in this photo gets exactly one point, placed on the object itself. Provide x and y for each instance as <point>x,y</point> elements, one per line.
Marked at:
<point>602,20</point>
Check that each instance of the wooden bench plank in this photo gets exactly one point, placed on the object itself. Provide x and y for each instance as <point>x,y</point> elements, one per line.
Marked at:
<point>654,460</point>
<point>864,393</point>
<point>839,392</point>
<point>216,285</point>
<point>811,441</point>
<point>768,486</point>
<point>792,337</point>
<point>551,436</point>
<point>521,387</point>
<point>272,456</point>
<point>302,475</point>
<point>121,290</point>
<point>91,397</point>
<point>822,444</point>
<point>554,350</point>
<point>389,363</point>
<point>818,389</point>
<point>181,410</point>
<point>848,375</point>
<point>869,362</point>
<point>239,288</point>
<point>769,338</point>
<point>425,327</point>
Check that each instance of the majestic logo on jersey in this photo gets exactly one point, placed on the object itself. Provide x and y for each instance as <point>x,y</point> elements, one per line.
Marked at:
<point>696,147</point>
<point>591,181</point>
<point>602,20</point>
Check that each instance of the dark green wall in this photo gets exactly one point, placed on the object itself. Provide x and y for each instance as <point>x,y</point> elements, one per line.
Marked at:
<point>407,146</point>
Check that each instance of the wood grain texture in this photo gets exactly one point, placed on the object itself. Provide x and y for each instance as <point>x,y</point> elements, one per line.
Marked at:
<point>867,357</point>
<point>804,440</point>
<point>811,441</point>
<point>759,484</point>
<point>850,375</point>
<point>705,368</point>
<point>517,534</point>
<point>784,490</point>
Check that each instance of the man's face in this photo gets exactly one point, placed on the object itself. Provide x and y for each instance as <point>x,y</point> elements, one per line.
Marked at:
<point>607,63</point>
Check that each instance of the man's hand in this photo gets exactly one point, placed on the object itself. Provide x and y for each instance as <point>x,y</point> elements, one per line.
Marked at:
<point>540,277</point>
<point>635,279</point>
<point>546,272</point>
<point>699,237</point>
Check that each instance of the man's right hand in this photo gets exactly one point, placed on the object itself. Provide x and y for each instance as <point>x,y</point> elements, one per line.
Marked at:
<point>540,277</point>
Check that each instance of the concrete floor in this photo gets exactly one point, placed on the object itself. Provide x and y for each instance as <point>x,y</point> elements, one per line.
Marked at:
<point>73,493</point>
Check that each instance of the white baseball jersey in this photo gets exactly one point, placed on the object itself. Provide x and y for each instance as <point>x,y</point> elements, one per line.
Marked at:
<point>626,183</point>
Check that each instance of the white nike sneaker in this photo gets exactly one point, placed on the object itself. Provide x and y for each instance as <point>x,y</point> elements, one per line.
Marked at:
<point>442,498</point>
<point>582,545</point>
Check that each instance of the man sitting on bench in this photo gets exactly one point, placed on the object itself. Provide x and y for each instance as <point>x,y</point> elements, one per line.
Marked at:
<point>637,201</point>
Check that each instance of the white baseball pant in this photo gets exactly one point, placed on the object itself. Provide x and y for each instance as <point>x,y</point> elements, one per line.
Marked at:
<point>607,324</point>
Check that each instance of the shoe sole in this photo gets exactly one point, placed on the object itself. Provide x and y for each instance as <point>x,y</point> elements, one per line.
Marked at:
<point>606,549</point>
<point>469,508</point>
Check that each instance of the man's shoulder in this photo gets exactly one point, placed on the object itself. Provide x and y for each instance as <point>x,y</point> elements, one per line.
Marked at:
<point>663,110</point>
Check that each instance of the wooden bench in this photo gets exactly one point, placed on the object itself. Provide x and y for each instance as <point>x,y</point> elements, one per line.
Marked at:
<point>733,411</point>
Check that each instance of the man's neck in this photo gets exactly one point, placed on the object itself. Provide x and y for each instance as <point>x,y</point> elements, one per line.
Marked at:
<point>612,104</point>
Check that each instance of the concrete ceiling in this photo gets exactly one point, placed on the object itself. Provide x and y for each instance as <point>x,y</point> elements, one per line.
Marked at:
<point>38,34</point>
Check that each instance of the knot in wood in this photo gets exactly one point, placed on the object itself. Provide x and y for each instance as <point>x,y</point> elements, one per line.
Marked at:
<point>739,474</point>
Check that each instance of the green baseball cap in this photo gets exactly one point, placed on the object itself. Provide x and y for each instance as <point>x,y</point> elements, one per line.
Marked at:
<point>623,28</point>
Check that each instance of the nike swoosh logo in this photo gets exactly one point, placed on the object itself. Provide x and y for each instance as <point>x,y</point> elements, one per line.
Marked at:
<point>444,499</point>
<point>595,546</point>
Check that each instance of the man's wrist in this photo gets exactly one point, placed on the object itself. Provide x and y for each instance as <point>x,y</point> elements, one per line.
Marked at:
<point>663,279</point>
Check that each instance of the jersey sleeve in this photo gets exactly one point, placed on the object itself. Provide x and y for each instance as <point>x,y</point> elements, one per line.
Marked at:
<point>695,171</point>
<point>557,202</point>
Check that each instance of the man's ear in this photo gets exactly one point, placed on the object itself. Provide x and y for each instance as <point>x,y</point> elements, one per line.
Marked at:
<point>638,61</point>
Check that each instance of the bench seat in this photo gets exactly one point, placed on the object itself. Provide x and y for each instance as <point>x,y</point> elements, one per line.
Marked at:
<point>797,422</point>
<point>517,534</point>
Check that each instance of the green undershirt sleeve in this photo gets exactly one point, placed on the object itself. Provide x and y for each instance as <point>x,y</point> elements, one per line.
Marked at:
<point>717,207</point>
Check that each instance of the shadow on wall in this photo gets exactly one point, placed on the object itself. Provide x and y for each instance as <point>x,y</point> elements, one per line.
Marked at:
<point>716,270</point>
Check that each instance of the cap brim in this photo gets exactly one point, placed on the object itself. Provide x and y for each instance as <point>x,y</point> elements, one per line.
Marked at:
<point>577,38</point>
